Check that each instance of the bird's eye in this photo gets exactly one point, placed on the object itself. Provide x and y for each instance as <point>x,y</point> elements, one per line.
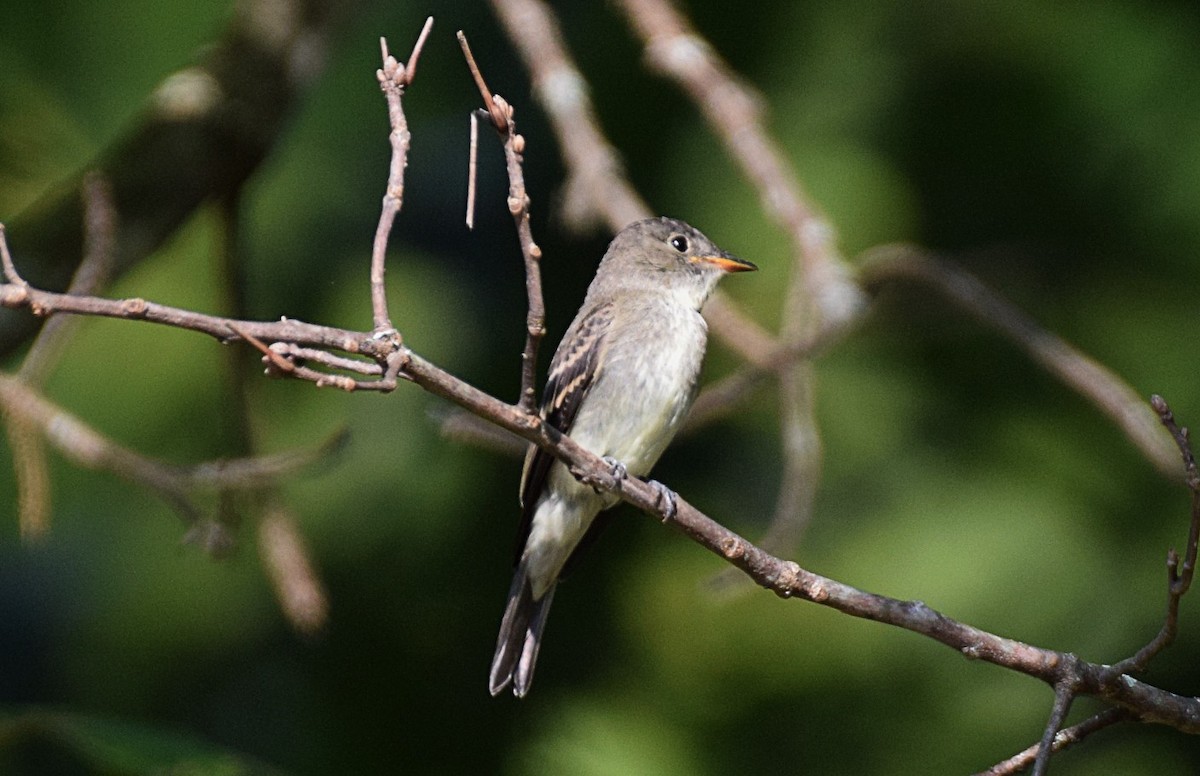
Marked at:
<point>679,243</point>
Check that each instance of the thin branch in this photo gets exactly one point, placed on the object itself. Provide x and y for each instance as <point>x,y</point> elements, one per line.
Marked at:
<point>501,113</point>
<point>31,470</point>
<point>6,262</point>
<point>393,78</point>
<point>1064,695</point>
<point>87,447</point>
<point>597,187</point>
<point>18,295</point>
<point>1179,578</point>
<point>1065,737</point>
<point>1096,383</point>
<point>788,580</point>
<point>295,353</point>
<point>472,168</point>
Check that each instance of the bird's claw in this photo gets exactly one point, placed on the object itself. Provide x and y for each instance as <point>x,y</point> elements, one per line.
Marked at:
<point>664,499</point>
<point>616,469</point>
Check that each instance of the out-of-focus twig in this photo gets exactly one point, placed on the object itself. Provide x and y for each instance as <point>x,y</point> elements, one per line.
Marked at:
<point>676,50</point>
<point>290,568</point>
<point>202,133</point>
<point>86,447</point>
<point>28,448</point>
<point>1096,383</point>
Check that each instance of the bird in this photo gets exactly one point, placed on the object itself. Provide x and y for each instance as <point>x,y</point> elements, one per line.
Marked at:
<point>620,385</point>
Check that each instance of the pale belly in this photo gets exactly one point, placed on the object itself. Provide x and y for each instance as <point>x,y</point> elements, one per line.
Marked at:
<point>641,413</point>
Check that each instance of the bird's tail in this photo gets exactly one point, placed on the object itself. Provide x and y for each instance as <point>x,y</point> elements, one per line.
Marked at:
<point>520,636</point>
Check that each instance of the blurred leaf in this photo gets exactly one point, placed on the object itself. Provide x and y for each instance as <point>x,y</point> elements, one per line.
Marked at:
<point>120,748</point>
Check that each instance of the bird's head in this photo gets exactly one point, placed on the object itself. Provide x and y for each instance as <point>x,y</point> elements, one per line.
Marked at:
<point>667,254</point>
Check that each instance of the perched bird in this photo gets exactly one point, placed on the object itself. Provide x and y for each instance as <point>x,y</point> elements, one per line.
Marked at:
<point>620,384</point>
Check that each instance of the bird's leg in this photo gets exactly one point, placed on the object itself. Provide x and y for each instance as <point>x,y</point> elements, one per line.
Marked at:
<point>664,500</point>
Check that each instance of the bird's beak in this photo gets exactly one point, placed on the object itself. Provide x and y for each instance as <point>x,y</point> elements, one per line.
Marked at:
<point>724,261</point>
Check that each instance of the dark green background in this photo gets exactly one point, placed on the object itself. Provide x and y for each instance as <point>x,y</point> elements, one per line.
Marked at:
<point>1053,149</point>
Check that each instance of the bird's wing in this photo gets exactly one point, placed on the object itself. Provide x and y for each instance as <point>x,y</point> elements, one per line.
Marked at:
<point>572,374</point>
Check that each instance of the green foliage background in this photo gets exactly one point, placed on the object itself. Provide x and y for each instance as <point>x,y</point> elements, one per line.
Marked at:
<point>1053,149</point>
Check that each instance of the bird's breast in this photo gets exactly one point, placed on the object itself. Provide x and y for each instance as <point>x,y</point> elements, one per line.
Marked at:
<point>646,387</point>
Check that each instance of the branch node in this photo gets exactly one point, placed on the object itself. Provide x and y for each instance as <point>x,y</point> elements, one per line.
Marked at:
<point>134,308</point>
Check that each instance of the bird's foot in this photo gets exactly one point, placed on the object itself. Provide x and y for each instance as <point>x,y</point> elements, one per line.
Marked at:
<point>616,469</point>
<point>664,499</point>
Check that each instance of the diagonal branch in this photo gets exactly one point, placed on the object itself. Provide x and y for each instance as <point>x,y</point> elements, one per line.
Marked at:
<point>788,580</point>
<point>1065,737</point>
<point>677,51</point>
<point>1096,383</point>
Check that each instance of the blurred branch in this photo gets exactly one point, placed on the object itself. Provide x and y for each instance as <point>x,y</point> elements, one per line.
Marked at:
<point>88,448</point>
<point>29,454</point>
<point>203,132</point>
<point>1100,385</point>
<point>290,568</point>
<point>677,51</point>
<point>596,187</point>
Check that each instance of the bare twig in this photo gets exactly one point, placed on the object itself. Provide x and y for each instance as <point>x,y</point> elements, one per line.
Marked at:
<point>85,446</point>
<point>1065,737</point>
<point>788,580</point>
<point>31,470</point>
<point>393,77</point>
<point>19,294</point>
<point>1179,577</point>
<point>1064,695</point>
<point>468,428</point>
<point>596,186</point>
<point>1104,389</point>
<point>472,169</point>
<point>322,357</point>
<point>501,113</point>
<point>6,262</point>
